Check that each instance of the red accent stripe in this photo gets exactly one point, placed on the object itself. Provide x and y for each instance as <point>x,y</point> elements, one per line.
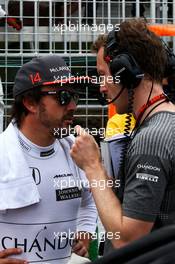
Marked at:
<point>67,80</point>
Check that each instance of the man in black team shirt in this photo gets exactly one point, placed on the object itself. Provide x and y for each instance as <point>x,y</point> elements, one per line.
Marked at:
<point>147,201</point>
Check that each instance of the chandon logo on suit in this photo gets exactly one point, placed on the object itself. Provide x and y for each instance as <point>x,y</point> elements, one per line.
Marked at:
<point>40,244</point>
<point>146,166</point>
<point>36,175</point>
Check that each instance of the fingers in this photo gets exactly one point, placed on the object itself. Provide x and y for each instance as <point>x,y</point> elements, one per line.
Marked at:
<point>10,251</point>
<point>4,254</point>
<point>80,249</point>
<point>12,261</point>
<point>83,135</point>
<point>80,139</point>
<point>85,143</point>
<point>79,130</point>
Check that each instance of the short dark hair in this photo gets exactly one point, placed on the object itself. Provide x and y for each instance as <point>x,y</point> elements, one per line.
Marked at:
<point>147,49</point>
<point>18,110</point>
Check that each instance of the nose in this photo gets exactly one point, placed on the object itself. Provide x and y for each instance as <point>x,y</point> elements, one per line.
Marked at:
<point>103,88</point>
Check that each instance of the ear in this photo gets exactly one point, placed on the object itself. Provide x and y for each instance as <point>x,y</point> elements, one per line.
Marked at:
<point>30,105</point>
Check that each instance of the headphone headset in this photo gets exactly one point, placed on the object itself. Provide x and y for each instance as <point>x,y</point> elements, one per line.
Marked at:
<point>122,64</point>
<point>169,74</point>
<point>170,67</point>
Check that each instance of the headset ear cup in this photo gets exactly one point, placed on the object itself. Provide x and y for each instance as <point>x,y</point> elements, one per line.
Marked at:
<point>170,67</point>
<point>125,68</point>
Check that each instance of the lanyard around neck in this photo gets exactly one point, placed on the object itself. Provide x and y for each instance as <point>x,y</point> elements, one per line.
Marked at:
<point>144,107</point>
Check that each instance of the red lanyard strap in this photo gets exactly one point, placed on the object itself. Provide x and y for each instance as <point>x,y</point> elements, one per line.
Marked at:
<point>151,102</point>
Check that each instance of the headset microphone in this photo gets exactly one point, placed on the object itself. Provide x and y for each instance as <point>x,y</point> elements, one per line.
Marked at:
<point>103,101</point>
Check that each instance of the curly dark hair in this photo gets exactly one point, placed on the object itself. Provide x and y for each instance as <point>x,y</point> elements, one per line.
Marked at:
<point>100,42</point>
<point>135,38</point>
<point>147,49</point>
<point>18,110</point>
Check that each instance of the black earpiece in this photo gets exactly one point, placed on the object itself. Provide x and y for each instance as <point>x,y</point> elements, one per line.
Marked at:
<point>169,74</point>
<point>122,65</point>
<point>170,68</point>
<point>125,66</point>
<point>171,65</point>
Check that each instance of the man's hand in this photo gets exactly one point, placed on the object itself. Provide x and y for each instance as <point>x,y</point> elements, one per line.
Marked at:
<point>79,248</point>
<point>85,151</point>
<point>4,254</point>
<point>81,243</point>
